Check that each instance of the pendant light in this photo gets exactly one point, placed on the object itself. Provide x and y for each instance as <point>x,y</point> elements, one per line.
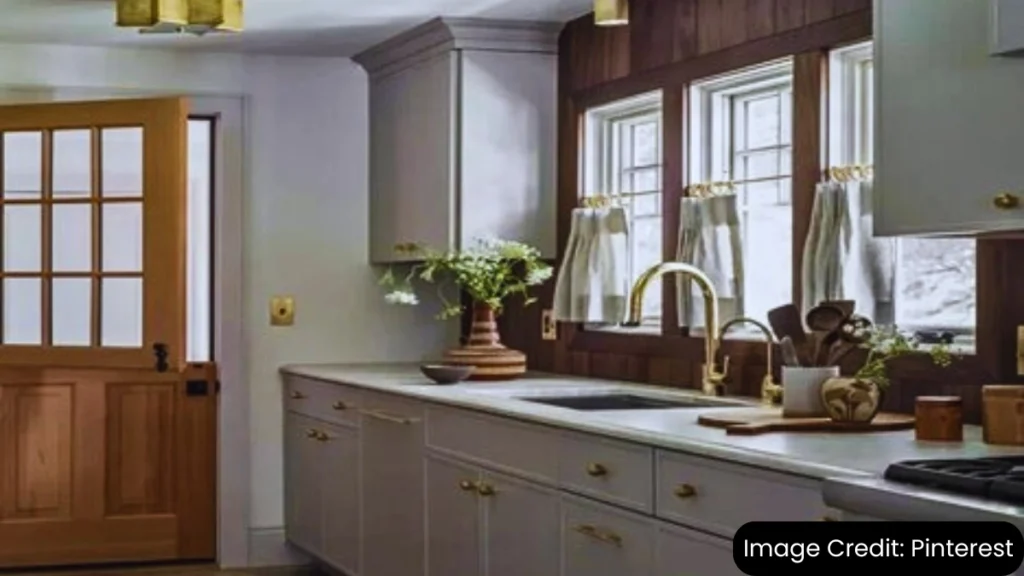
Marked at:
<point>175,16</point>
<point>611,12</point>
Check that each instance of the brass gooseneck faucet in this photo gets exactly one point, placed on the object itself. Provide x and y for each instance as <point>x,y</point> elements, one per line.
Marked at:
<point>771,392</point>
<point>713,378</point>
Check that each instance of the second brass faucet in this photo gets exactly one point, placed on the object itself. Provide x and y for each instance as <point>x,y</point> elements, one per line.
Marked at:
<point>771,392</point>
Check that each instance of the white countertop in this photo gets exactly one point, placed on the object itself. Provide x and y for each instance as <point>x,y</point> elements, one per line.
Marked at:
<point>814,455</point>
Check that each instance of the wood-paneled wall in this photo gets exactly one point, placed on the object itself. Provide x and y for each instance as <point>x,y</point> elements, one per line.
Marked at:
<point>667,44</point>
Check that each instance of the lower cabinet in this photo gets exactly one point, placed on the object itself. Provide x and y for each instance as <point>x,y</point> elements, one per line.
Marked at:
<point>603,541</point>
<point>484,523</point>
<point>699,553</point>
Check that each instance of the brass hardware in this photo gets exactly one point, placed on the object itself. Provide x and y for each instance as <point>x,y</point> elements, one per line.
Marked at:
<point>1020,350</point>
<point>485,489</point>
<point>296,395</point>
<point>282,311</point>
<point>685,491</point>
<point>467,486</point>
<point>598,534</point>
<point>595,469</point>
<point>311,433</point>
<point>1006,201</point>
<point>548,326</point>
<point>713,379</point>
<point>339,405</point>
<point>712,189</point>
<point>176,16</point>
<point>771,391</point>
<point>829,519</point>
<point>852,173</point>
<point>611,12</point>
<point>598,201</point>
<point>378,415</point>
<point>322,436</point>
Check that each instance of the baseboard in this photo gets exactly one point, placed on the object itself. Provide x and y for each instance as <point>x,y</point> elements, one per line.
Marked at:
<point>267,548</point>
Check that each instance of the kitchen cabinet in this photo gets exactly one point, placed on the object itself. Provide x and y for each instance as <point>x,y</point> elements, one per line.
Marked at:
<point>303,503</point>
<point>462,136</point>
<point>392,486</point>
<point>453,519</point>
<point>948,122</point>
<point>603,541</point>
<point>1007,27</point>
<point>699,553</point>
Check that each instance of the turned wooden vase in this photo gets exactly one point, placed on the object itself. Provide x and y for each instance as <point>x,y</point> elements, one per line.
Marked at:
<point>484,351</point>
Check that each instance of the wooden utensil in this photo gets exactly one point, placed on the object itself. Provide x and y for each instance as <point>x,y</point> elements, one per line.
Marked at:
<point>790,356</point>
<point>759,421</point>
<point>825,318</point>
<point>785,321</point>
<point>847,306</point>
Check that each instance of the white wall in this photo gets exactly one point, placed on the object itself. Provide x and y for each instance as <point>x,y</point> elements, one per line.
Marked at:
<point>305,214</point>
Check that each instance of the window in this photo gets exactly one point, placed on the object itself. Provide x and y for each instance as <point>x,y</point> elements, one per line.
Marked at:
<point>934,281</point>
<point>623,158</point>
<point>741,132</point>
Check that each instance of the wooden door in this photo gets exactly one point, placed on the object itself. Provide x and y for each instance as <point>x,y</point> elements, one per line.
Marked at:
<point>453,518</point>
<point>107,438</point>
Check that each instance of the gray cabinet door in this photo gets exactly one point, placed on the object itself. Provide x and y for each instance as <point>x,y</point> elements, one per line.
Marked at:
<point>600,540</point>
<point>393,487</point>
<point>1007,27</point>
<point>522,535</point>
<point>453,518</point>
<point>948,127</point>
<point>303,504</point>
<point>340,496</point>
<point>680,551</point>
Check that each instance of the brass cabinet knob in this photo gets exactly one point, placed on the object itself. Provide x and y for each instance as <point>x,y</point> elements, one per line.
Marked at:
<point>685,491</point>
<point>322,436</point>
<point>310,433</point>
<point>596,470</point>
<point>467,486</point>
<point>296,395</point>
<point>339,405</point>
<point>485,489</point>
<point>1006,201</point>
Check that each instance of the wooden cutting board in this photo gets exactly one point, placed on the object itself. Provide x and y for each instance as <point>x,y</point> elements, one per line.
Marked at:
<point>760,421</point>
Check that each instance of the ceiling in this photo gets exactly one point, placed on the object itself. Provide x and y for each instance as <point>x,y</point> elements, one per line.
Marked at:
<point>300,27</point>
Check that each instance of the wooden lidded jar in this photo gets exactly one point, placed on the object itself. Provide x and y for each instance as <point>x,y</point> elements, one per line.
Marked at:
<point>1002,413</point>
<point>939,419</point>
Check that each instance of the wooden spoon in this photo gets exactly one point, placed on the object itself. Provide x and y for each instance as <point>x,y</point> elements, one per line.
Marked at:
<point>785,321</point>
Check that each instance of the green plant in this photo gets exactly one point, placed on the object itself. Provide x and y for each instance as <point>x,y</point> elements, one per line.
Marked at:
<point>886,343</point>
<point>489,271</point>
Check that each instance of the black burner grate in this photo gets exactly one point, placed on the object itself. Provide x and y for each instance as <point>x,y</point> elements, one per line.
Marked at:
<point>999,479</point>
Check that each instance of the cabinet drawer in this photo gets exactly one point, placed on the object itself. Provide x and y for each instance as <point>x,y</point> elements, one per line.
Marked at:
<point>612,471</point>
<point>523,449</point>
<point>322,400</point>
<point>598,539</point>
<point>719,497</point>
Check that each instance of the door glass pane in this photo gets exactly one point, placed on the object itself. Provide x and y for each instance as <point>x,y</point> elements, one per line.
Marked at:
<point>122,237</point>
<point>72,237</point>
<point>200,242</point>
<point>23,318</point>
<point>23,238</point>
<point>121,312</point>
<point>122,162</point>
<point>72,163</point>
<point>72,311</point>
<point>23,164</point>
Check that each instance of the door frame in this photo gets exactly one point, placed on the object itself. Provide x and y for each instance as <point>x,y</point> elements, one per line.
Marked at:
<point>234,464</point>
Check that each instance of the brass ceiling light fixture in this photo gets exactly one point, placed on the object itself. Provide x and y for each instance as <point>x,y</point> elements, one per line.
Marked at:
<point>611,12</point>
<point>197,17</point>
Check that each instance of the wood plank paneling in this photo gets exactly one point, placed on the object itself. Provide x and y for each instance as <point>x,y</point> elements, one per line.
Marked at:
<point>789,14</point>
<point>760,18</point>
<point>819,10</point>
<point>733,22</point>
<point>669,33</point>
<point>709,26</point>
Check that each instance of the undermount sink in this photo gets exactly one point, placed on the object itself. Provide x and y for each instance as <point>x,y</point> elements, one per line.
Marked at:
<point>622,402</point>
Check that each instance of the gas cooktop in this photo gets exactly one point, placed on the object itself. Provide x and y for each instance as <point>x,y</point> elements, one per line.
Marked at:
<point>1000,479</point>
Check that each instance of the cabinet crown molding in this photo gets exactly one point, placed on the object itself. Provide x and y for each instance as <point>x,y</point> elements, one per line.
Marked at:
<point>444,34</point>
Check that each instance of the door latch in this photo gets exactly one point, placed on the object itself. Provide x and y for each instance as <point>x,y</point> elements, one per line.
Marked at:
<point>160,351</point>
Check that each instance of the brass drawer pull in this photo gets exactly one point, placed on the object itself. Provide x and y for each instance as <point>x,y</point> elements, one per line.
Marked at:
<point>597,470</point>
<point>598,534</point>
<point>378,415</point>
<point>296,395</point>
<point>467,486</point>
<point>485,489</point>
<point>311,433</point>
<point>322,436</point>
<point>1006,201</point>
<point>339,405</point>
<point>685,491</point>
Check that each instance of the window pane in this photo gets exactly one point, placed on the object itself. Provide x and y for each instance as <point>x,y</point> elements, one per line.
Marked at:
<point>763,127</point>
<point>768,259</point>
<point>121,307</point>
<point>646,252</point>
<point>645,144</point>
<point>758,165</point>
<point>23,312</point>
<point>23,238</point>
<point>200,242</point>
<point>72,237</point>
<point>935,283</point>
<point>122,162</point>
<point>645,180</point>
<point>122,237</point>
<point>23,164</point>
<point>644,205</point>
<point>72,312</point>
<point>72,163</point>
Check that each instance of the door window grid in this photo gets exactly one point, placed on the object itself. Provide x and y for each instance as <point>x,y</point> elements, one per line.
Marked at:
<point>741,131</point>
<point>57,215</point>
<point>934,278</point>
<point>624,159</point>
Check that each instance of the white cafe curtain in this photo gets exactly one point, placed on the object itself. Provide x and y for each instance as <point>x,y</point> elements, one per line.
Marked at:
<point>593,283</point>
<point>709,238</point>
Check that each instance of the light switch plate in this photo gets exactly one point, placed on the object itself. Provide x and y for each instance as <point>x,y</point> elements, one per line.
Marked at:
<point>282,311</point>
<point>548,326</point>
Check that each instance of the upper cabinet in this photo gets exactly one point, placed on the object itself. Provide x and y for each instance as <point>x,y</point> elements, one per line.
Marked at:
<point>949,145</point>
<point>462,135</point>
<point>1008,27</point>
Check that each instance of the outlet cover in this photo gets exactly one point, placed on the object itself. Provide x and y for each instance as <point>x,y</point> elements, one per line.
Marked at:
<point>548,326</point>
<point>282,311</point>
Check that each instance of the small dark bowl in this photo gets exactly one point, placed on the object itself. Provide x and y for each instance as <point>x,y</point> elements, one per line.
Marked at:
<point>447,373</point>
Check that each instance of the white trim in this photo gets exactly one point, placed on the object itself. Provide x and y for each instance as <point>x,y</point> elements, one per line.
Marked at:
<point>270,549</point>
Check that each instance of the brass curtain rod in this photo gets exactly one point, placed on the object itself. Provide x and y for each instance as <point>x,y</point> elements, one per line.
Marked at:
<point>851,173</point>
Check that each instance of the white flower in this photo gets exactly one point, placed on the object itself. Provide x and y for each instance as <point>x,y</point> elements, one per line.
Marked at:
<point>403,297</point>
<point>539,275</point>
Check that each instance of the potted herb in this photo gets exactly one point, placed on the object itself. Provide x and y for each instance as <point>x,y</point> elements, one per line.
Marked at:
<point>857,399</point>
<point>490,271</point>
